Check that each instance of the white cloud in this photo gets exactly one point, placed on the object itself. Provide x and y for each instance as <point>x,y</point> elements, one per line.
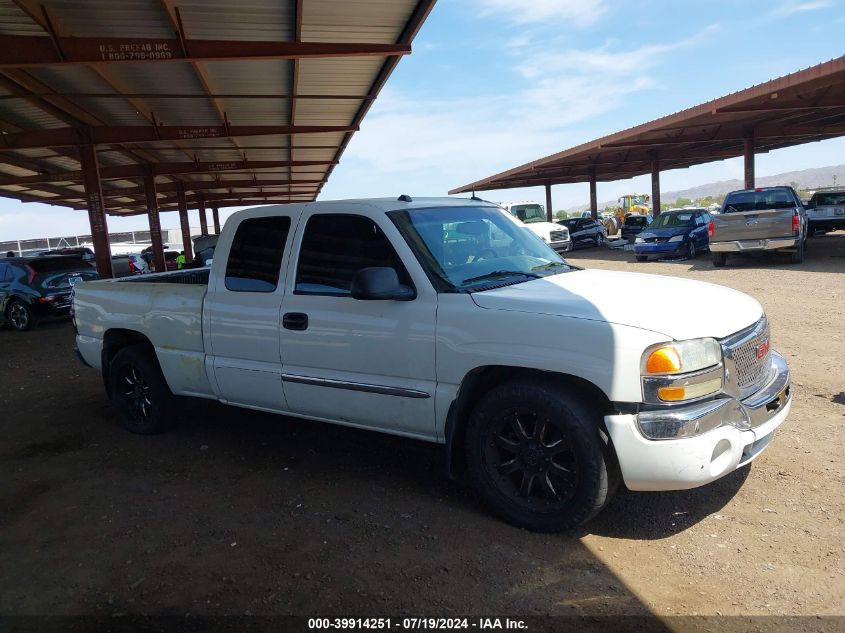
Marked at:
<point>791,7</point>
<point>581,13</point>
<point>460,140</point>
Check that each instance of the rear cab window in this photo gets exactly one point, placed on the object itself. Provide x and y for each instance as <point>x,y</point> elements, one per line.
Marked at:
<point>255,258</point>
<point>765,199</point>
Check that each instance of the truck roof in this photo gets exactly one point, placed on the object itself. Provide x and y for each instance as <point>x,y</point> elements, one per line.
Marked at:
<point>383,204</point>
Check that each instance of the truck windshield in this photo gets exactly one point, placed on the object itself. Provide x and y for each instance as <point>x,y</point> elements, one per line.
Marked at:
<point>470,248</point>
<point>759,200</point>
<point>529,213</point>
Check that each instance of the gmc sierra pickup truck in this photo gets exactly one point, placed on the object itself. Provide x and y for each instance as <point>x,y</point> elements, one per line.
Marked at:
<point>762,219</point>
<point>441,319</point>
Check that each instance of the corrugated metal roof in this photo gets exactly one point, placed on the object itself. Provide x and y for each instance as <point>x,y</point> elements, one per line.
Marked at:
<point>193,92</point>
<point>804,106</point>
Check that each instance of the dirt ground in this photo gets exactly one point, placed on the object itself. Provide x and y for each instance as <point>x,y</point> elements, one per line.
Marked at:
<point>239,512</point>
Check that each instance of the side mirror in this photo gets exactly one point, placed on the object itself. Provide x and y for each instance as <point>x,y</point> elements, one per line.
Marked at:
<point>380,284</point>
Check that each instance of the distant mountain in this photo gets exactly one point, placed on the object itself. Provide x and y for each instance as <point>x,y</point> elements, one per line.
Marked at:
<point>805,179</point>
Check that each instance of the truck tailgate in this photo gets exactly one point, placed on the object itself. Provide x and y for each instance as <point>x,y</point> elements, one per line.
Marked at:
<point>752,225</point>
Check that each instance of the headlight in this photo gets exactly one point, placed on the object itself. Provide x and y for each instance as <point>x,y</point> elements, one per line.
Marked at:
<point>676,238</point>
<point>682,371</point>
<point>639,240</point>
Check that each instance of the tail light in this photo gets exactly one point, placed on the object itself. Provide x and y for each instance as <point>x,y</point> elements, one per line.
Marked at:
<point>796,223</point>
<point>711,228</point>
<point>30,273</point>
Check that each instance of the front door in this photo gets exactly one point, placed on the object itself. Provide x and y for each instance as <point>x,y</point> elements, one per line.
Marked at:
<point>365,363</point>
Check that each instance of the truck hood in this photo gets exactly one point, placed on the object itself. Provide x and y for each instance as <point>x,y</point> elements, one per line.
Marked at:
<point>544,229</point>
<point>677,308</point>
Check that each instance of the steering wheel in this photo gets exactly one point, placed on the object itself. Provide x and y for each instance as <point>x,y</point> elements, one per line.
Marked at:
<point>483,254</point>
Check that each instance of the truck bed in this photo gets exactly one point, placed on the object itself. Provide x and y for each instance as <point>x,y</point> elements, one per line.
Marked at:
<point>166,308</point>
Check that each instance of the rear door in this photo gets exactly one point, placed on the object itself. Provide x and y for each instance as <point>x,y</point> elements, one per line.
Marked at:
<point>366,363</point>
<point>241,318</point>
<point>5,285</point>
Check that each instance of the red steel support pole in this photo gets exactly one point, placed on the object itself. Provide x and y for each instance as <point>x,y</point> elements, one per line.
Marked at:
<point>183,223</point>
<point>549,201</point>
<point>594,201</point>
<point>655,187</point>
<point>203,219</point>
<point>749,161</point>
<point>155,224</point>
<point>96,210</point>
<point>215,214</point>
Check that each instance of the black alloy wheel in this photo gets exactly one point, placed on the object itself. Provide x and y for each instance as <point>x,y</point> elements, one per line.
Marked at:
<point>20,316</point>
<point>532,459</point>
<point>140,393</point>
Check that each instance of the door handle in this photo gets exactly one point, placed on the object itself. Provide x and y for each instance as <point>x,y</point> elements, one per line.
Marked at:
<point>295,321</point>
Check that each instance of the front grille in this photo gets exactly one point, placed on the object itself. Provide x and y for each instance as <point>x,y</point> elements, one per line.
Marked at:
<point>750,351</point>
<point>559,236</point>
<point>656,240</point>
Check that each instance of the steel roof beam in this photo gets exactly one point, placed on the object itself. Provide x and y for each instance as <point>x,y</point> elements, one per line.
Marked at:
<point>17,51</point>
<point>207,185</point>
<point>123,172</point>
<point>109,135</point>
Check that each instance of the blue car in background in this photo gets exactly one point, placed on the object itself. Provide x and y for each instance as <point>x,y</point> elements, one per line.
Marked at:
<point>674,233</point>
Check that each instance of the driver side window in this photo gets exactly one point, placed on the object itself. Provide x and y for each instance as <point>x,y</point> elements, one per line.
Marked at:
<point>335,247</point>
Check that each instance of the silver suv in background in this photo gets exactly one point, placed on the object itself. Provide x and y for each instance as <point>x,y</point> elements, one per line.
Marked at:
<point>826,211</point>
<point>757,220</point>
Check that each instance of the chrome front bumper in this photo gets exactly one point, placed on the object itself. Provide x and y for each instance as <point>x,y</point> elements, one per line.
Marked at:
<point>740,246</point>
<point>732,433</point>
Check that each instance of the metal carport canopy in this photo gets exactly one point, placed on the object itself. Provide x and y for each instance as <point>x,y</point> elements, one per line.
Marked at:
<point>805,106</point>
<point>104,102</point>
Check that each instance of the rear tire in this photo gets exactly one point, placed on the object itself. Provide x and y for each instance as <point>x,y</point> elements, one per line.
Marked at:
<point>642,258</point>
<point>719,259</point>
<point>139,392</point>
<point>20,316</point>
<point>797,256</point>
<point>537,458</point>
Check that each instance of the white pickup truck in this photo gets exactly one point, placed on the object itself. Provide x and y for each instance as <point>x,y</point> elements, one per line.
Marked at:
<point>445,320</point>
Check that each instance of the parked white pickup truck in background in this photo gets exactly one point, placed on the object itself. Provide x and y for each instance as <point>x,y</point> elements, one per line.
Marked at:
<point>534,217</point>
<point>401,316</point>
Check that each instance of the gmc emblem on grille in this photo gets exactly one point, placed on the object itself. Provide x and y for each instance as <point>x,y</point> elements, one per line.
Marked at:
<point>762,349</point>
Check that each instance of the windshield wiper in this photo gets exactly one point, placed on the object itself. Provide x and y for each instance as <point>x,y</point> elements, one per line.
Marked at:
<point>550,265</point>
<point>499,273</point>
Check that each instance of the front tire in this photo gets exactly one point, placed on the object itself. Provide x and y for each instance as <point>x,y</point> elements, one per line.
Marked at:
<point>535,455</point>
<point>19,314</point>
<point>692,253</point>
<point>139,392</point>
<point>599,240</point>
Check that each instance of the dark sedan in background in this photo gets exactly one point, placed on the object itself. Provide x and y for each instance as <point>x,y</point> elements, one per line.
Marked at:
<point>35,288</point>
<point>633,225</point>
<point>584,232</point>
<point>675,233</point>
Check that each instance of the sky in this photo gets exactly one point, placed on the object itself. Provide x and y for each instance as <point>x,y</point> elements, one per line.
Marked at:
<point>492,84</point>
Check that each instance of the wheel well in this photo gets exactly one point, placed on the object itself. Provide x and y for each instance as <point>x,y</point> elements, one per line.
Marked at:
<point>114,341</point>
<point>481,380</point>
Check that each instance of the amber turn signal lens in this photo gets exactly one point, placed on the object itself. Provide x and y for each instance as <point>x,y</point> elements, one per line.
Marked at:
<point>672,394</point>
<point>663,361</point>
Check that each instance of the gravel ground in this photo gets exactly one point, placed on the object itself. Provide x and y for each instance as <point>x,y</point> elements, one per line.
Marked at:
<point>239,512</point>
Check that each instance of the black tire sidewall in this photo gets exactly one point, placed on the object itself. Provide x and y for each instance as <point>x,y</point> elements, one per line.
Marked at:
<point>164,403</point>
<point>595,484</point>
